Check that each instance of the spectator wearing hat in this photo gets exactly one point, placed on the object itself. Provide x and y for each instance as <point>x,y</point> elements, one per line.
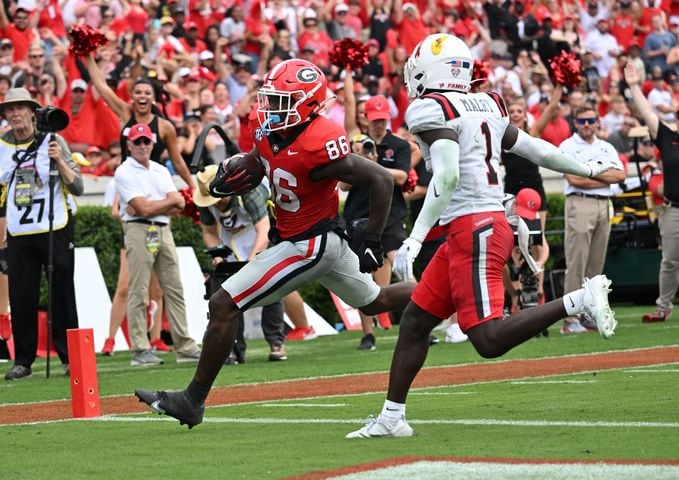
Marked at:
<point>376,60</point>
<point>338,28</point>
<point>25,159</point>
<point>242,224</point>
<point>314,37</point>
<point>190,41</point>
<point>634,58</point>
<point>20,31</point>
<point>394,154</point>
<point>148,197</point>
<point>590,15</point>
<point>658,44</point>
<point>526,205</point>
<point>409,25</point>
<point>604,47</point>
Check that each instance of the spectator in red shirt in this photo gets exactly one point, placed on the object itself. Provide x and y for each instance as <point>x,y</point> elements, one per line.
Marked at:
<point>136,17</point>
<point>314,38</point>
<point>51,18</point>
<point>623,26</point>
<point>410,27</point>
<point>191,43</point>
<point>20,31</point>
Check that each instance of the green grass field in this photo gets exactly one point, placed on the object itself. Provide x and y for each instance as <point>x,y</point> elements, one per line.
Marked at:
<point>627,415</point>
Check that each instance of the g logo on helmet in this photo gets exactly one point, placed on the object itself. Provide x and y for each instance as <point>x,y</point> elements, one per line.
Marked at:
<point>307,75</point>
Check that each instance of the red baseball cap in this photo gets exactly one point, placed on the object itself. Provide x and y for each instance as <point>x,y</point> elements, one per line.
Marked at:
<point>190,25</point>
<point>140,130</point>
<point>377,108</point>
<point>528,203</point>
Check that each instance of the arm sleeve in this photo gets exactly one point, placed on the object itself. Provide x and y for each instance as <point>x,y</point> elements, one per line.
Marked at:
<point>544,154</point>
<point>445,158</point>
<point>206,218</point>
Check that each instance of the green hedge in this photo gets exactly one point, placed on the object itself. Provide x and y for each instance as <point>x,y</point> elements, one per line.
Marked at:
<point>94,227</point>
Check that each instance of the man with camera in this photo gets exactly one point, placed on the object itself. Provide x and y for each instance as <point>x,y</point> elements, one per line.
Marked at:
<point>242,224</point>
<point>392,153</point>
<point>148,197</point>
<point>26,152</point>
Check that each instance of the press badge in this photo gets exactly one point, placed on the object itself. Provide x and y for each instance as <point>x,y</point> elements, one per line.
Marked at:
<point>24,187</point>
<point>152,239</point>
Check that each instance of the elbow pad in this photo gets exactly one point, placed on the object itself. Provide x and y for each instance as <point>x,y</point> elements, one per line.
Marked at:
<point>544,154</point>
<point>445,158</point>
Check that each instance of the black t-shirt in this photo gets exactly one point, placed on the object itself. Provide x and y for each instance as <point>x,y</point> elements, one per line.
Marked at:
<point>520,173</point>
<point>667,142</point>
<point>392,152</point>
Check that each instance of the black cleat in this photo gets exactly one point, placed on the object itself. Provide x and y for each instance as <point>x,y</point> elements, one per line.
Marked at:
<point>174,404</point>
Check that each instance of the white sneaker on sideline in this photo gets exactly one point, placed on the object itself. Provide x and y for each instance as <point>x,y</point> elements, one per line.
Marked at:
<point>454,334</point>
<point>383,427</point>
<point>595,305</point>
<point>572,327</point>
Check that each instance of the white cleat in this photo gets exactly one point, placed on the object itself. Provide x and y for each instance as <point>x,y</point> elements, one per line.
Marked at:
<point>383,427</point>
<point>454,334</point>
<point>596,307</point>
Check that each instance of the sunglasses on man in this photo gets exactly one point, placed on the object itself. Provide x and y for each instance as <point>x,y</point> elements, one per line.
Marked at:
<point>589,121</point>
<point>142,141</point>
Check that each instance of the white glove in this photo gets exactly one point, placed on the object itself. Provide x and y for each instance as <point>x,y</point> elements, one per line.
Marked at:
<point>403,262</point>
<point>597,167</point>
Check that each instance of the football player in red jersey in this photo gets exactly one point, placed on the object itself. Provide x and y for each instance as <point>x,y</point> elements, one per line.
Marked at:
<point>304,156</point>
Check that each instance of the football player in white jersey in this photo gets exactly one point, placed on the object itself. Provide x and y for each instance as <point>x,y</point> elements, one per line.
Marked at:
<point>461,135</point>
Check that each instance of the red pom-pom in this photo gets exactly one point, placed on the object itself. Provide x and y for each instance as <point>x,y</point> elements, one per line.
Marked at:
<point>349,53</point>
<point>481,72</point>
<point>190,209</point>
<point>411,182</point>
<point>565,69</point>
<point>85,39</point>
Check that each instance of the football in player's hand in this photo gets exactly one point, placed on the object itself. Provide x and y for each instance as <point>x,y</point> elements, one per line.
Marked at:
<point>244,172</point>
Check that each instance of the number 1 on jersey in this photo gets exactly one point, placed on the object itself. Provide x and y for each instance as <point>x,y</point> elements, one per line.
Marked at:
<point>491,172</point>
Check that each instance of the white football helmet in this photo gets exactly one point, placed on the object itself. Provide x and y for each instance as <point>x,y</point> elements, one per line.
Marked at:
<point>439,62</point>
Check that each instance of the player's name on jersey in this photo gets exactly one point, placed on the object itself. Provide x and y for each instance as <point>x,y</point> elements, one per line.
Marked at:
<point>476,105</point>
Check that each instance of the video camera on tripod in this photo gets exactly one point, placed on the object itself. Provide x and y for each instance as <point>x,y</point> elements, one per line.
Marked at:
<point>222,271</point>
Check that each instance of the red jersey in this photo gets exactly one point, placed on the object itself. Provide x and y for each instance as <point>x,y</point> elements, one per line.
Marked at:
<point>300,202</point>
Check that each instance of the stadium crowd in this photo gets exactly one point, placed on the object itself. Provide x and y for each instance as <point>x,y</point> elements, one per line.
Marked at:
<point>205,59</point>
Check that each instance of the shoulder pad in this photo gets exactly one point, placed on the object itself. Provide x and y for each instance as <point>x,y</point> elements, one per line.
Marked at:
<point>427,113</point>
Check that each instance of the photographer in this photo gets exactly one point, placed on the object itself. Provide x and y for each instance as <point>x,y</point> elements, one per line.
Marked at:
<point>525,289</point>
<point>392,153</point>
<point>242,224</point>
<point>25,153</point>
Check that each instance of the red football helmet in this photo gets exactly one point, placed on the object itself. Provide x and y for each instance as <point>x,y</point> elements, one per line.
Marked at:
<point>292,93</point>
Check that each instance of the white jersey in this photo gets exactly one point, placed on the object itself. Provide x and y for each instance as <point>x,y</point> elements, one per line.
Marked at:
<point>480,121</point>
